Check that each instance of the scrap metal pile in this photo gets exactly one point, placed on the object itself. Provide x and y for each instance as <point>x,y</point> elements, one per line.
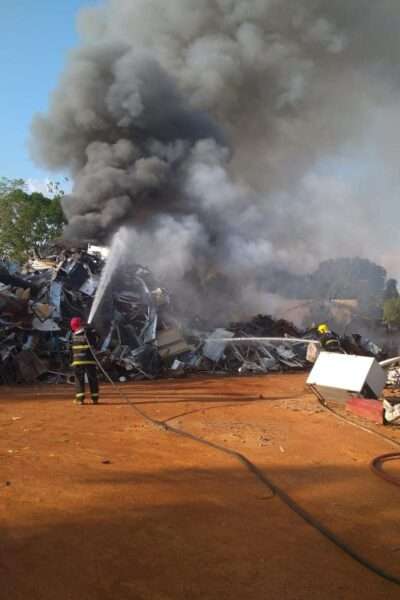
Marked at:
<point>140,334</point>
<point>35,308</point>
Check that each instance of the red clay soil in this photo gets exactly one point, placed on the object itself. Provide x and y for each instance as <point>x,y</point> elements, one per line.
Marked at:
<point>97,504</point>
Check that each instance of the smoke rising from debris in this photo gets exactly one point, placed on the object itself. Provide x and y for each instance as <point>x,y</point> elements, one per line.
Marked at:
<point>231,135</point>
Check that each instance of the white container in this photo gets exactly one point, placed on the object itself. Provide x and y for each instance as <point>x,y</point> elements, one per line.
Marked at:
<point>338,376</point>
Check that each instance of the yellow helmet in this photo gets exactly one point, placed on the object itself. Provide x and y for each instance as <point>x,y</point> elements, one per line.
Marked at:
<point>323,328</point>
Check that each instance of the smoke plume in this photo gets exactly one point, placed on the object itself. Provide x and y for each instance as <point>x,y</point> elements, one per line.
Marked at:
<point>231,135</point>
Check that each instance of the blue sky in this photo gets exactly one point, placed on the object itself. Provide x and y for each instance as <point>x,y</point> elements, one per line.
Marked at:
<point>36,36</point>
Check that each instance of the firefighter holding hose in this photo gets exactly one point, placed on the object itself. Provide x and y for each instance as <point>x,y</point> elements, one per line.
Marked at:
<point>330,341</point>
<point>84,340</point>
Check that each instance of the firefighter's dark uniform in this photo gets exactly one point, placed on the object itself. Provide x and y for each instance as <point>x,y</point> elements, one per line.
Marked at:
<point>84,363</point>
<point>330,342</point>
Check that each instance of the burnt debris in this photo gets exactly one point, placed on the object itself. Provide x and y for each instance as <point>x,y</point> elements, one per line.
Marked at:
<point>138,325</point>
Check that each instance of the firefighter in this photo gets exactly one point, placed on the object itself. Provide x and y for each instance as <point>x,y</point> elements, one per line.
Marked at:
<point>83,360</point>
<point>330,341</point>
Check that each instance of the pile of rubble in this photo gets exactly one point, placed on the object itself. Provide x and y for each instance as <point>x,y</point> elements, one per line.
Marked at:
<point>249,347</point>
<point>140,334</point>
<point>35,309</point>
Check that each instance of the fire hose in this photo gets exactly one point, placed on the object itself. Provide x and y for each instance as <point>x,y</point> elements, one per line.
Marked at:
<point>377,462</point>
<point>376,466</point>
<point>274,489</point>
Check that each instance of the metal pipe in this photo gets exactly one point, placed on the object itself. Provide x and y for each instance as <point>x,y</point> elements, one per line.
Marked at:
<point>390,361</point>
<point>264,340</point>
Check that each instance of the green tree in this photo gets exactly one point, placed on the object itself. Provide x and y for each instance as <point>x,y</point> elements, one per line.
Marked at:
<point>348,278</point>
<point>10,185</point>
<point>391,290</point>
<point>391,311</point>
<point>28,222</point>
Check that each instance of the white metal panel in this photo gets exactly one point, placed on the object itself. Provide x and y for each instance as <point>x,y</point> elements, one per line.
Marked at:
<point>347,372</point>
<point>377,378</point>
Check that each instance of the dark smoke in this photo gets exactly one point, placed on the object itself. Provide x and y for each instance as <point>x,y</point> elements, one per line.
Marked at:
<point>231,135</point>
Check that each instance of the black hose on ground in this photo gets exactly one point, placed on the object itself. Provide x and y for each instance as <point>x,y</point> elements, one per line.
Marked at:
<point>266,481</point>
<point>377,462</point>
<point>376,466</point>
<point>361,427</point>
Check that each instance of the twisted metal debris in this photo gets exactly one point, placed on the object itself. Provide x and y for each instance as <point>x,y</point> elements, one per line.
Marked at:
<point>141,335</point>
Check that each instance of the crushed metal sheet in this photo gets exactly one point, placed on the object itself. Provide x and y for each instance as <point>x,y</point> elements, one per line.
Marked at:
<point>213,349</point>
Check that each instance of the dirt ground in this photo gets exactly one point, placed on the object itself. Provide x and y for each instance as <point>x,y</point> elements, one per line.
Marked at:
<point>97,504</point>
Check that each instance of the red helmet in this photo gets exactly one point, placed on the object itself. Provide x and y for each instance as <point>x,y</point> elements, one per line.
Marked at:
<point>76,324</point>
